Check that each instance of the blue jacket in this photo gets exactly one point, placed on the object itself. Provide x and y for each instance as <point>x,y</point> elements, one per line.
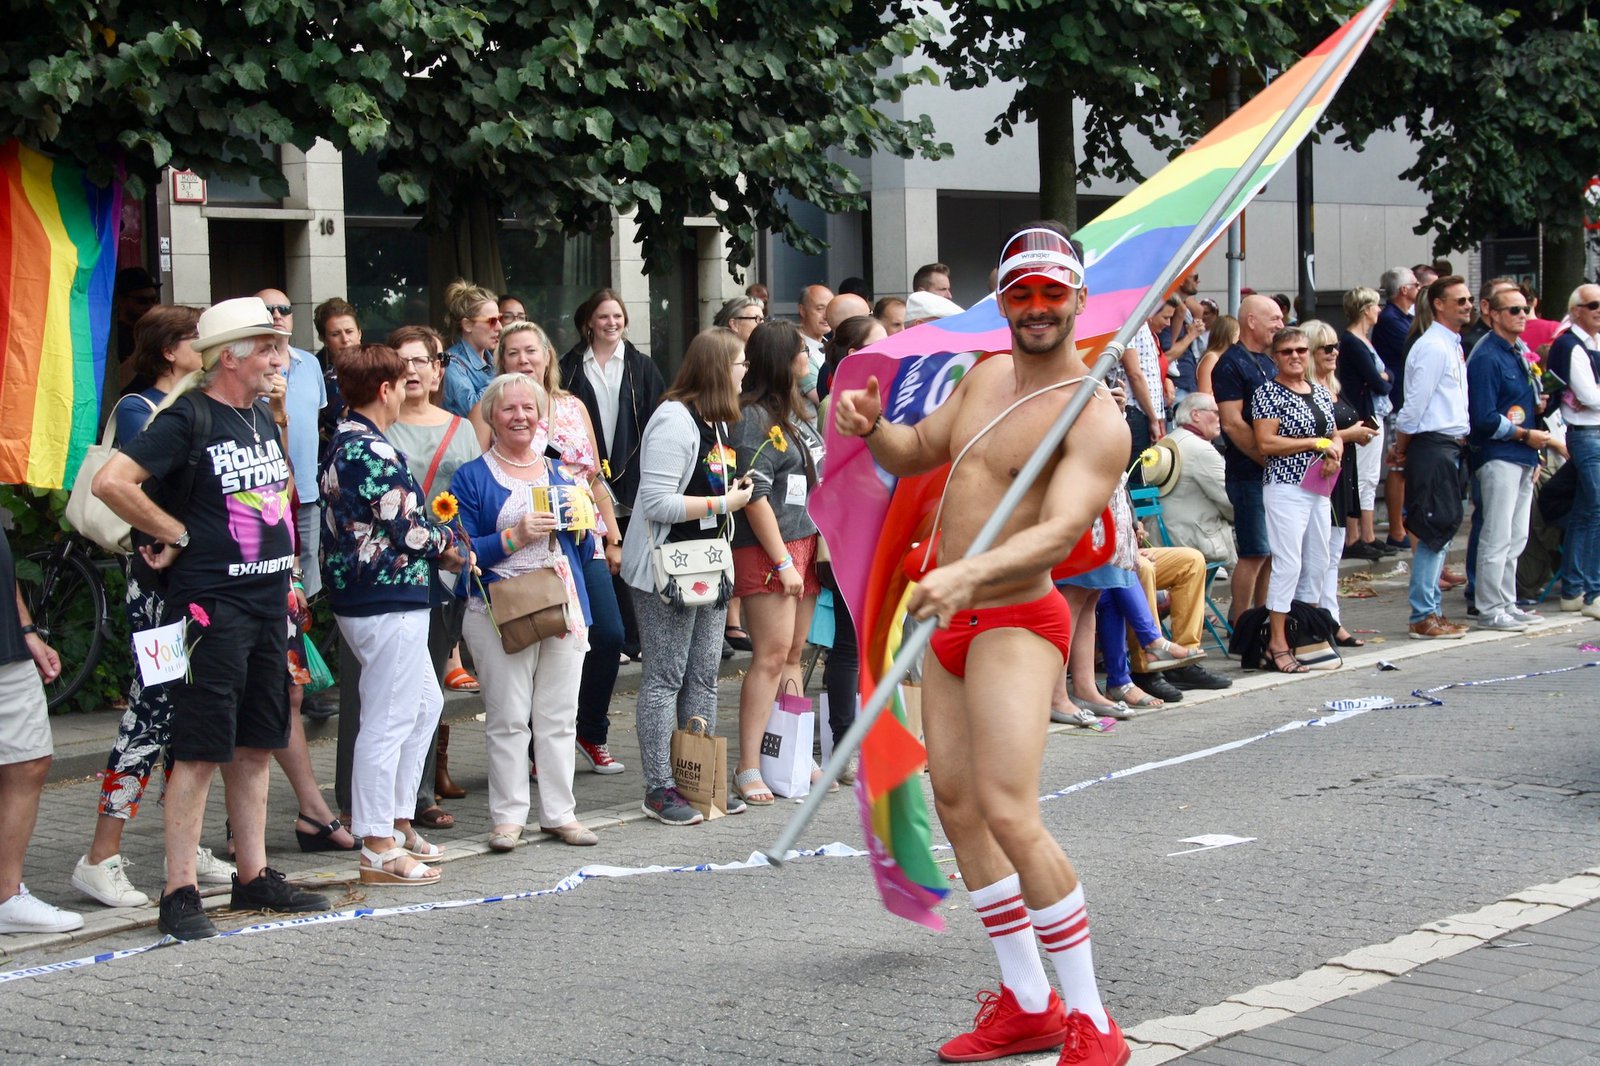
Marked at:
<point>1389,338</point>
<point>1501,399</point>
<point>481,498</point>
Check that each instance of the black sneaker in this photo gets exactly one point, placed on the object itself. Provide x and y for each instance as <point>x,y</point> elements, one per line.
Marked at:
<point>183,917</point>
<point>1196,676</point>
<point>271,891</point>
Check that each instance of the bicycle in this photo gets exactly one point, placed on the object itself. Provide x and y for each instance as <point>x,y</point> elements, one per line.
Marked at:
<point>68,604</point>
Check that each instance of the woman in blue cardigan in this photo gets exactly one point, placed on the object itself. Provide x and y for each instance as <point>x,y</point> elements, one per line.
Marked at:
<point>534,690</point>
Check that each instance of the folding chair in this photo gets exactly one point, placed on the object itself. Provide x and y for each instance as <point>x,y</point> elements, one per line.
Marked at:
<point>1147,506</point>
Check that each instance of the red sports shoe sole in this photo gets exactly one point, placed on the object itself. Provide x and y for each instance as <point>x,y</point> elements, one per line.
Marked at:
<point>1044,1042</point>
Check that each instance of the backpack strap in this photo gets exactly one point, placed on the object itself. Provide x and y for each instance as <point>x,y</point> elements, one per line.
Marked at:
<point>200,434</point>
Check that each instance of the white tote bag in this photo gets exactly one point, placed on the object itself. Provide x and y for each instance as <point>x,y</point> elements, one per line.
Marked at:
<point>786,746</point>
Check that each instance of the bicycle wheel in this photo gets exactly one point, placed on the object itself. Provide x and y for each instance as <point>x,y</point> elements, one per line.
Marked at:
<point>68,604</point>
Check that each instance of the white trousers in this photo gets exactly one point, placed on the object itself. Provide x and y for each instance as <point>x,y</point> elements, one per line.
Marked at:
<point>1324,592</point>
<point>1506,492</point>
<point>400,705</point>
<point>1369,470</point>
<point>534,692</point>
<point>1297,530</point>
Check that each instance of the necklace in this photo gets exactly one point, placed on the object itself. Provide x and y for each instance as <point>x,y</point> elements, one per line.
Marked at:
<point>512,462</point>
<point>250,425</point>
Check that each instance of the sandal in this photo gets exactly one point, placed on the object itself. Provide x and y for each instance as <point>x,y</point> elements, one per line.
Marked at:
<point>1162,654</point>
<point>1349,640</point>
<point>816,772</point>
<point>375,869</point>
<point>458,680</point>
<point>434,817</point>
<point>414,846</point>
<point>322,839</point>
<point>737,638</point>
<point>1295,665</point>
<point>752,789</point>
<point>1145,701</point>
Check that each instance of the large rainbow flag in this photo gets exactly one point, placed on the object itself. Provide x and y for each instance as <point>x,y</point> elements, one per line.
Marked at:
<point>58,241</point>
<point>1126,250</point>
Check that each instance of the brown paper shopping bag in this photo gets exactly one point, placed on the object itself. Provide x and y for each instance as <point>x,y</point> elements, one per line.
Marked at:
<point>700,767</point>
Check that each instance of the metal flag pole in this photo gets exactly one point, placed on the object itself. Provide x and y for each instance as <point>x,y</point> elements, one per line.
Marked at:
<point>916,638</point>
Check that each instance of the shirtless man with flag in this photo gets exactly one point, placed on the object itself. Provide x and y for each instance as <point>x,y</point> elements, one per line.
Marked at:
<point>1003,640</point>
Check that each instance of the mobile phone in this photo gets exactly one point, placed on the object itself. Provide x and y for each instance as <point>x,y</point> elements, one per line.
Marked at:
<point>1371,423</point>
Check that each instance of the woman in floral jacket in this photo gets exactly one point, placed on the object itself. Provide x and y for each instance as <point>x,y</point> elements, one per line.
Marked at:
<point>377,543</point>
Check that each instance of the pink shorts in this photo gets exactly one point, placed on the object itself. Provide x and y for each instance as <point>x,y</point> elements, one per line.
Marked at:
<point>752,568</point>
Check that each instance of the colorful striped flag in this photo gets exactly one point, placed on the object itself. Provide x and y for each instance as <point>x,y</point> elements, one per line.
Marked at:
<point>1126,249</point>
<point>58,262</point>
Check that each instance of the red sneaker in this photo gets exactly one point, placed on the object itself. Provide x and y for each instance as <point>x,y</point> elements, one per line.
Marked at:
<point>599,756</point>
<point>1003,1028</point>
<point>1089,1046</point>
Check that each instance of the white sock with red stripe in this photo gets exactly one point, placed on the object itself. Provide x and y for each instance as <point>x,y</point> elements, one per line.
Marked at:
<point>1005,919</point>
<point>1063,929</point>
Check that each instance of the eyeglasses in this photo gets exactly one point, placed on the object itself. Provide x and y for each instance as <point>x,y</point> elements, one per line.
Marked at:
<point>281,309</point>
<point>742,362</point>
<point>1592,305</point>
<point>750,318</point>
<point>1519,309</point>
<point>421,362</point>
<point>1294,351</point>
<point>493,320</point>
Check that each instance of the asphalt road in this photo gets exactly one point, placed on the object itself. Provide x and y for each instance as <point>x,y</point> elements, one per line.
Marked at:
<point>1362,830</point>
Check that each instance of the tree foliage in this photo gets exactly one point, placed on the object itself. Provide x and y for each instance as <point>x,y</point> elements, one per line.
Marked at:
<point>555,110</point>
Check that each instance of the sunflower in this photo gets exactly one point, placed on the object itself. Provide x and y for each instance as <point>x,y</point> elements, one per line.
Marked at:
<point>445,508</point>
<point>776,438</point>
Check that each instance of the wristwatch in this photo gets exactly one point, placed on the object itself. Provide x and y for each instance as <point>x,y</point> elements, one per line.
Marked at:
<point>182,541</point>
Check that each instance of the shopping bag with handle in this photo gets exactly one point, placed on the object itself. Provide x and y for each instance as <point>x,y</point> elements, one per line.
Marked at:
<point>700,767</point>
<point>786,746</point>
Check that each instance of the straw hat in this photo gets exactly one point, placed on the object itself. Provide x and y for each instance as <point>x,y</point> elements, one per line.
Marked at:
<point>234,320</point>
<point>1161,465</point>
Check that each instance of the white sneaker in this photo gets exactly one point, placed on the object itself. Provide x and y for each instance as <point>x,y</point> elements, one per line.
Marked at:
<point>27,913</point>
<point>1592,609</point>
<point>208,869</point>
<point>1501,620</point>
<point>1525,617</point>
<point>107,882</point>
<point>1572,603</point>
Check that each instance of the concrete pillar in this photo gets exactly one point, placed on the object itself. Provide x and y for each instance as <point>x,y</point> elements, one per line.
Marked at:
<point>629,280</point>
<point>314,250</point>
<point>717,286</point>
<point>905,235</point>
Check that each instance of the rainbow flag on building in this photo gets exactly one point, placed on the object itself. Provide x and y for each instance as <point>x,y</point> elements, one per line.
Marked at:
<point>1126,249</point>
<point>58,262</point>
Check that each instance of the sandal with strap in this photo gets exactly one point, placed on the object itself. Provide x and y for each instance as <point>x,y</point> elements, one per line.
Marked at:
<point>414,846</point>
<point>737,638</point>
<point>1295,665</point>
<point>375,869</point>
<point>458,680</point>
<point>1349,640</point>
<point>322,839</point>
<point>1122,694</point>
<point>1162,654</point>
<point>752,789</point>
<point>434,817</point>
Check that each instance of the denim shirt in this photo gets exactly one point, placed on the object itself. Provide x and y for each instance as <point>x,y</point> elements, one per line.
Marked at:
<point>465,378</point>
<point>306,395</point>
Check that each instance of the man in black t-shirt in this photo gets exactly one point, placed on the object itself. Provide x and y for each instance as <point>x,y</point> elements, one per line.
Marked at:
<point>223,531</point>
<point>25,750</point>
<point>1243,368</point>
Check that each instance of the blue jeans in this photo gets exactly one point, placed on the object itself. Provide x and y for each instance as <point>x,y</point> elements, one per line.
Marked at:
<point>1114,612</point>
<point>1580,552</point>
<point>1426,566</point>
<point>600,665</point>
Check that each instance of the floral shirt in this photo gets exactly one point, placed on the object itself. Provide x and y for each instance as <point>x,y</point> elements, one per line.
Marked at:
<point>377,542</point>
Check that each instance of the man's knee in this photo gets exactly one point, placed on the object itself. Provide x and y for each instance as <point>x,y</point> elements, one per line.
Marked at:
<point>29,774</point>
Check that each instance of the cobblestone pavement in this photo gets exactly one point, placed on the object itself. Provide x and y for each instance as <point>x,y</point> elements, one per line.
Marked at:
<point>1363,831</point>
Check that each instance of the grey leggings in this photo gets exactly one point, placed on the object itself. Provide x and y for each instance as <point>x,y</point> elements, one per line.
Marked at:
<point>682,652</point>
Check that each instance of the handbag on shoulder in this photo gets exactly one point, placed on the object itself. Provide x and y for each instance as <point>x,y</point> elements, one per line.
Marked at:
<point>696,573</point>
